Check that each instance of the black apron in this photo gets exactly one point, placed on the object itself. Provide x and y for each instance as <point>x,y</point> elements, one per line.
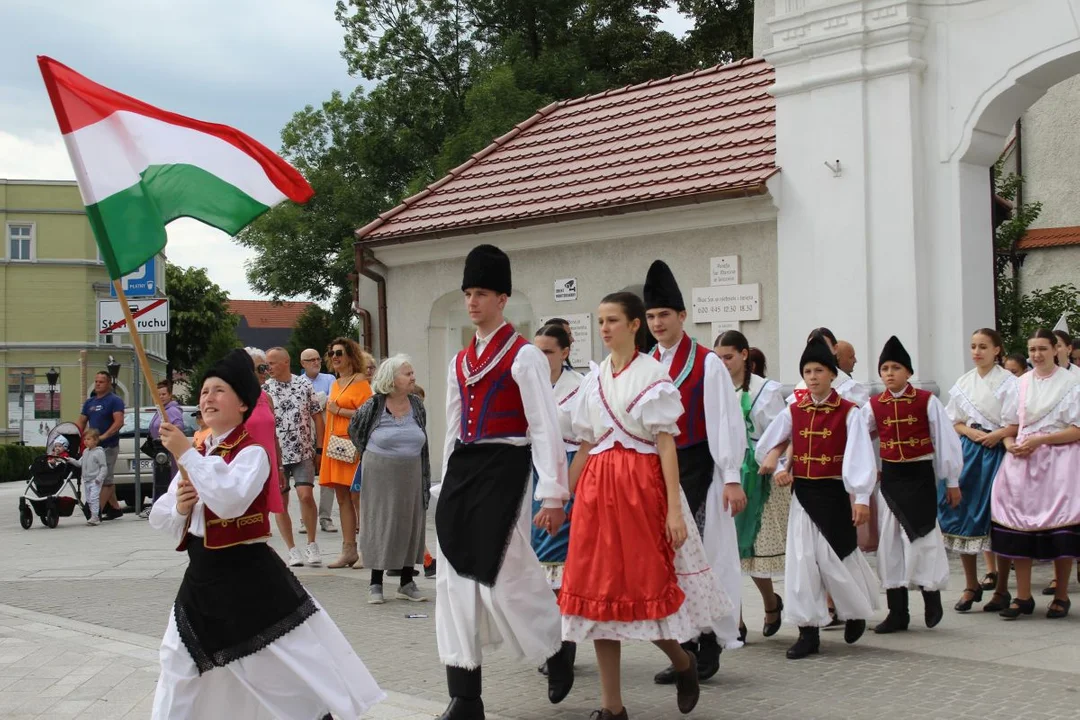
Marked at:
<point>479,504</point>
<point>828,504</point>
<point>695,474</point>
<point>910,491</point>
<point>236,601</point>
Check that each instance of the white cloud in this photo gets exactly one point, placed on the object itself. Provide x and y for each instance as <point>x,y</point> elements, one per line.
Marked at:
<point>192,244</point>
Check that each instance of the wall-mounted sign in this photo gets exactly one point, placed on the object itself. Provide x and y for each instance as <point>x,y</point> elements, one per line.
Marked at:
<point>565,289</point>
<point>721,327</point>
<point>724,270</point>
<point>581,327</point>
<point>727,303</point>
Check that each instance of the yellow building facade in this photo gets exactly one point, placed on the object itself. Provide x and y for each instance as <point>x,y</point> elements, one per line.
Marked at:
<point>51,279</point>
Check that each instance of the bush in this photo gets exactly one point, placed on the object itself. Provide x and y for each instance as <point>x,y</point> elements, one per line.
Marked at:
<point>15,461</point>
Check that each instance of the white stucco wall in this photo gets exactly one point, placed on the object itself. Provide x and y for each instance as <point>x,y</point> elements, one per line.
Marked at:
<point>600,267</point>
<point>1045,267</point>
<point>1051,151</point>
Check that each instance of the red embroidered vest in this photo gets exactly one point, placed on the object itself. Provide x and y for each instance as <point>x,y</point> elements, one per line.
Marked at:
<point>253,524</point>
<point>688,373</point>
<point>903,425</point>
<point>491,404</point>
<point>819,436</point>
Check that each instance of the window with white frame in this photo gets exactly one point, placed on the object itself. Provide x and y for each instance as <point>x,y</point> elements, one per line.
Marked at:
<point>20,241</point>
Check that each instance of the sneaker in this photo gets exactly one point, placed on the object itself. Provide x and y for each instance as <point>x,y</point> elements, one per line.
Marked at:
<point>295,559</point>
<point>93,521</point>
<point>144,514</point>
<point>429,570</point>
<point>327,525</point>
<point>409,592</point>
<point>374,595</point>
<point>312,556</point>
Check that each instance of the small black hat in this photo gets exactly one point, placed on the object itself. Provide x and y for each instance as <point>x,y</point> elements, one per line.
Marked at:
<point>817,351</point>
<point>661,290</point>
<point>487,267</point>
<point>238,370</point>
<point>895,351</point>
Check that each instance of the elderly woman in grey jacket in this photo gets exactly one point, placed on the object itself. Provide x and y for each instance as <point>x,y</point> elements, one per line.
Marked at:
<point>389,431</point>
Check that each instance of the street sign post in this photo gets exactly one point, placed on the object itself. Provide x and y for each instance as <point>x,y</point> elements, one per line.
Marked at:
<point>140,283</point>
<point>151,316</point>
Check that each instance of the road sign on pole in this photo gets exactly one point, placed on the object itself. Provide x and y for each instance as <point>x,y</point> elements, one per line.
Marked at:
<point>140,283</point>
<point>151,316</point>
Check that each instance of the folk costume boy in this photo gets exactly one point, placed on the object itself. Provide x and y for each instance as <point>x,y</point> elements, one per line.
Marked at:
<point>831,456</point>
<point>245,639</point>
<point>710,444</point>
<point>917,446</point>
<point>501,422</point>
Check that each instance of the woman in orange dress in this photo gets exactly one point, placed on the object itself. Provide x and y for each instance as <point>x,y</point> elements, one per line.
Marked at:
<point>349,392</point>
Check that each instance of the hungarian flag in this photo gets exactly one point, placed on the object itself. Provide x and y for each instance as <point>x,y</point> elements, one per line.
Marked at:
<point>140,167</point>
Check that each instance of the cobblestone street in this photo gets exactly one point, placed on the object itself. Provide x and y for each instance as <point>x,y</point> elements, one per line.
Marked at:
<point>81,611</point>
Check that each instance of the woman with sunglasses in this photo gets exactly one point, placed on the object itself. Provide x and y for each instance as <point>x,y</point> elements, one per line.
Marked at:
<point>340,459</point>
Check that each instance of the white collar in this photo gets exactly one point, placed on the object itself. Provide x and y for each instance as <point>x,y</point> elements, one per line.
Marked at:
<point>902,391</point>
<point>666,350</point>
<point>215,440</point>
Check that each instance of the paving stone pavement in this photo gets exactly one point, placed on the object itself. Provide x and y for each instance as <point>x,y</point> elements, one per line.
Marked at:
<point>88,604</point>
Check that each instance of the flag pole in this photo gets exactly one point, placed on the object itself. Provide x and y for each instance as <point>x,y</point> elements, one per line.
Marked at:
<point>144,362</point>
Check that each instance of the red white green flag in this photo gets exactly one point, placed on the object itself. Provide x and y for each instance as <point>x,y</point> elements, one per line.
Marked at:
<point>140,167</point>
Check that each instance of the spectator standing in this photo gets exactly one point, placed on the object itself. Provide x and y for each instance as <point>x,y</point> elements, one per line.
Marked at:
<point>845,356</point>
<point>322,382</point>
<point>296,411</point>
<point>175,415</point>
<point>261,427</point>
<point>104,411</point>
<point>201,432</point>
<point>389,431</point>
<point>340,460</point>
<point>369,372</point>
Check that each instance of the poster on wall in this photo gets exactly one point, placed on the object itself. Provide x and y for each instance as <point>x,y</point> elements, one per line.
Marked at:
<point>581,330</point>
<point>36,415</point>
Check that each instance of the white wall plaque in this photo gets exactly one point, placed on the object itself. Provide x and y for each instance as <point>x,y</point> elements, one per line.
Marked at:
<point>718,328</point>
<point>724,270</point>
<point>581,328</point>
<point>565,289</point>
<point>727,303</point>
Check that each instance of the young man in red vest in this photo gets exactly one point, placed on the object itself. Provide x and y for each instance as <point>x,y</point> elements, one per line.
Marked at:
<point>501,422</point>
<point>831,456</point>
<point>918,445</point>
<point>711,444</point>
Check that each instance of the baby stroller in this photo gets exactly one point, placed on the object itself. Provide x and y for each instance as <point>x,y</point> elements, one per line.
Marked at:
<point>50,475</point>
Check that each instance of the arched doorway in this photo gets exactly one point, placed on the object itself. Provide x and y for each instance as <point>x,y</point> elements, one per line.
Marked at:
<point>889,117</point>
<point>449,330</point>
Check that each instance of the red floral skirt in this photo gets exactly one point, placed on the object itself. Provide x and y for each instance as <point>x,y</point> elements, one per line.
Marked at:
<point>620,566</point>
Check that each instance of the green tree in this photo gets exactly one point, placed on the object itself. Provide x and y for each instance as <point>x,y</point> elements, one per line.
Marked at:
<point>198,311</point>
<point>315,328</point>
<point>222,340</point>
<point>723,30</point>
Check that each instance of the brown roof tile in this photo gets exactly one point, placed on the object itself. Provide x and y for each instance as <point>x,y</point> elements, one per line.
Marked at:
<point>709,133</point>
<point>1049,237</point>
<point>268,314</point>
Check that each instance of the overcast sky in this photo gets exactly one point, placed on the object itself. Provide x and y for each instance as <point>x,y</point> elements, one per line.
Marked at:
<point>246,63</point>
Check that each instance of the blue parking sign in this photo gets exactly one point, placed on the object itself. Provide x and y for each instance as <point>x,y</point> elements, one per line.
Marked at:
<point>141,283</point>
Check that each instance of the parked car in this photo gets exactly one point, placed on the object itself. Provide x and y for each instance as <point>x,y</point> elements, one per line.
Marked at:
<point>129,452</point>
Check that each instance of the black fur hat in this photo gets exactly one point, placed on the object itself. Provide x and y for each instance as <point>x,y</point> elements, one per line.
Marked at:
<point>817,351</point>
<point>894,350</point>
<point>487,267</point>
<point>661,290</point>
<point>238,371</point>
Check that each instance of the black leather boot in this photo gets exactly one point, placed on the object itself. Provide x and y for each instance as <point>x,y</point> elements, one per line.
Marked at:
<point>667,675</point>
<point>464,686</point>
<point>853,630</point>
<point>708,656</point>
<point>898,617</point>
<point>932,602</point>
<point>561,672</point>
<point>809,643</point>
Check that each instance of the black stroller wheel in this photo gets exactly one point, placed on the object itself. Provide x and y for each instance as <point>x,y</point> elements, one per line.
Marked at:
<point>26,517</point>
<point>52,515</point>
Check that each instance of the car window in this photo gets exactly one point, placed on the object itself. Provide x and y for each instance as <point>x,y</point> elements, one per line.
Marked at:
<point>147,414</point>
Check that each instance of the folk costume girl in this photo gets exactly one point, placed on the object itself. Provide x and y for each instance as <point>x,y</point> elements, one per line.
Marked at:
<point>832,456</point>
<point>975,408</point>
<point>710,448</point>
<point>762,526</point>
<point>554,342</point>
<point>244,638</point>
<point>917,446</point>
<point>633,572</point>
<point>1035,503</point>
<point>501,422</point>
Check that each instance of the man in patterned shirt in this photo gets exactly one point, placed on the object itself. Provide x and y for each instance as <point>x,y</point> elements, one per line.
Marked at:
<point>295,407</point>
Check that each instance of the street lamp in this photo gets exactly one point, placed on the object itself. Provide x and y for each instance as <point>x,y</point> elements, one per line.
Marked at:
<point>52,376</point>
<point>114,368</point>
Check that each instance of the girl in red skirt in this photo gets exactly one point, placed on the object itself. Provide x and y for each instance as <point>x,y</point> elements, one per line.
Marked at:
<point>633,572</point>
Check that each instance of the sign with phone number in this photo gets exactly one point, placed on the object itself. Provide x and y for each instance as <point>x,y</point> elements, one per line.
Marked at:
<point>727,303</point>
